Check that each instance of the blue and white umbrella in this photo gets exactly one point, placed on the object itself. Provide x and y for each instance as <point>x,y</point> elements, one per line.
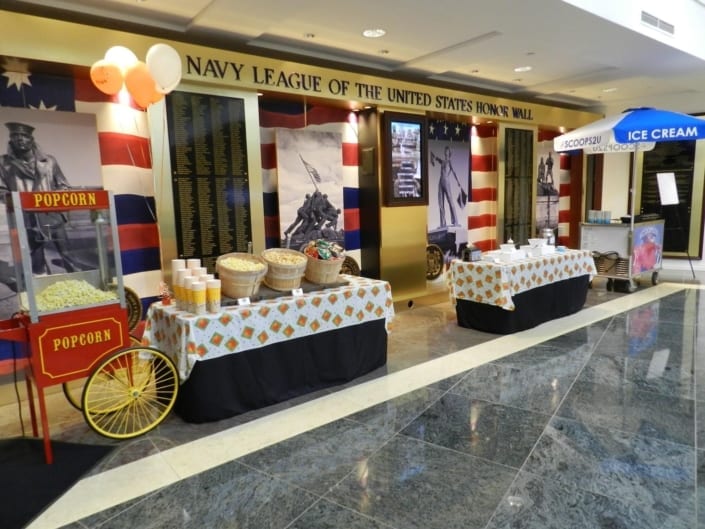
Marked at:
<point>634,130</point>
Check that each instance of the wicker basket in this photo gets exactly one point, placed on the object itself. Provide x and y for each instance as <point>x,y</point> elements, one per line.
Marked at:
<point>240,283</point>
<point>285,268</point>
<point>323,271</point>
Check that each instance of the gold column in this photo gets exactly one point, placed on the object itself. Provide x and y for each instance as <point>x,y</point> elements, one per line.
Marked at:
<point>403,250</point>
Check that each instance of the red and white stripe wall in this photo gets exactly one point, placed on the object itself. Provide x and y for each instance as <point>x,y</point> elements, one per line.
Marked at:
<point>482,207</point>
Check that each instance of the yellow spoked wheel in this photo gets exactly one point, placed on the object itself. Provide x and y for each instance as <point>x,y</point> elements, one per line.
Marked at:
<point>74,388</point>
<point>130,392</point>
<point>72,392</point>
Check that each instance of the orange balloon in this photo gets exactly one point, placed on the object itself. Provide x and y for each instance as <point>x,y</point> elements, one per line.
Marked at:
<point>157,95</point>
<point>140,84</point>
<point>106,76</point>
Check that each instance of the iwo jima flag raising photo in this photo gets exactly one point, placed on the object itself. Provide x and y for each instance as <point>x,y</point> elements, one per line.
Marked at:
<point>310,160</point>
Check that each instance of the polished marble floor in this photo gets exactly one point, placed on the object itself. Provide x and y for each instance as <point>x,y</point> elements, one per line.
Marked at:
<point>593,420</point>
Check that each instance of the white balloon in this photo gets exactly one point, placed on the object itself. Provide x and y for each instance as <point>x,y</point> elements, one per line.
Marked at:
<point>164,63</point>
<point>121,56</point>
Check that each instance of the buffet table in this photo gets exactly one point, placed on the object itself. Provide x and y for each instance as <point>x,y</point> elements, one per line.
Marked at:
<point>248,357</point>
<point>506,297</point>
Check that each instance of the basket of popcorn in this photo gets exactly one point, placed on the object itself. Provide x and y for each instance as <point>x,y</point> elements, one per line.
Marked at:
<point>240,274</point>
<point>285,268</point>
<point>325,260</point>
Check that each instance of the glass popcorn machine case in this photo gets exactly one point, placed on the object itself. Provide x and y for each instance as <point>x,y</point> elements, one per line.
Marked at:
<point>65,250</point>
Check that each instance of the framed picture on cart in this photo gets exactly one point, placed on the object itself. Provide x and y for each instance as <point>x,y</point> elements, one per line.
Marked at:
<point>405,176</point>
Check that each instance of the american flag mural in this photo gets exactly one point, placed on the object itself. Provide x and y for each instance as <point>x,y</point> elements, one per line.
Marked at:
<point>125,157</point>
<point>291,115</point>
<point>482,209</point>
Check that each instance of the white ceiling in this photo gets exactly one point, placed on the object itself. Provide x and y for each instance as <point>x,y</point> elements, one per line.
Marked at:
<point>575,56</point>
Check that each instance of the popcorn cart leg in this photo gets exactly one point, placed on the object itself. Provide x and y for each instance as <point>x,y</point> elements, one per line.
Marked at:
<point>32,411</point>
<point>48,454</point>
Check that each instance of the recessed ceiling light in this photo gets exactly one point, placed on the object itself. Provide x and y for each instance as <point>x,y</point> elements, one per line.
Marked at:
<point>374,33</point>
<point>520,69</point>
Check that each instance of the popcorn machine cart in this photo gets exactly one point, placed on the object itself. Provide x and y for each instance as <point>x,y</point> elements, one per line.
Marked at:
<point>72,321</point>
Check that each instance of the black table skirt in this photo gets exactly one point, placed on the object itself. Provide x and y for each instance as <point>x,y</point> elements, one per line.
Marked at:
<point>236,383</point>
<point>533,307</point>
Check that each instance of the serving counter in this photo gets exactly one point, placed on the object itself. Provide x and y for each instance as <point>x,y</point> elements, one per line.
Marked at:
<point>248,357</point>
<point>506,297</point>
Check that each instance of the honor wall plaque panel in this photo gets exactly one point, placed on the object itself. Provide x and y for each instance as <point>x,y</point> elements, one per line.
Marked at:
<point>207,146</point>
<point>519,149</point>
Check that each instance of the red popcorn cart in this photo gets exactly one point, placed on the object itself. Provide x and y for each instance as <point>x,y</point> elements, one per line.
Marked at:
<point>73,316</point>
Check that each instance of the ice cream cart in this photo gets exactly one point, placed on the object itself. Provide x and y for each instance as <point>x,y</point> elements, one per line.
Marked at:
<point>72,317</point>
<point>623,253</point>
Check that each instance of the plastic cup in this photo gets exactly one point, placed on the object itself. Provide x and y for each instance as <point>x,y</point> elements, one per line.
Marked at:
<point>176,264</point>
<point>198,293</point>
<point>193,263</point>
<point>213,295</point>
<point>188,292</point>
<point>181,274</point>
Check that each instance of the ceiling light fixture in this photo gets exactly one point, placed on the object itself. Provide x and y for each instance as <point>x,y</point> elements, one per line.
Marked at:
<point>608,90</point>
<point>374,33</point>
<point>521,69</point>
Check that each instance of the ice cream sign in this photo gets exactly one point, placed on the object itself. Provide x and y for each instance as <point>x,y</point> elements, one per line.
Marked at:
<point>659,134</point>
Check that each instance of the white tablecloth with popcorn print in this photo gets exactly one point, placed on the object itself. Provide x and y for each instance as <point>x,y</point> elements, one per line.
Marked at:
<point>190,338</point>
<point>495,283</point>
